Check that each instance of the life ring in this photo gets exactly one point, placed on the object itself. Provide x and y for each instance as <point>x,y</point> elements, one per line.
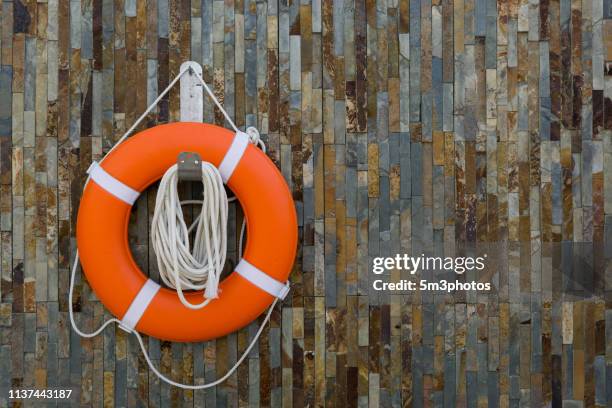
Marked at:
<point>139,302</point>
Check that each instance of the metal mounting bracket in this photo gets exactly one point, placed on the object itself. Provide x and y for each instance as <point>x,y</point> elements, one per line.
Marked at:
<point>189,166</point>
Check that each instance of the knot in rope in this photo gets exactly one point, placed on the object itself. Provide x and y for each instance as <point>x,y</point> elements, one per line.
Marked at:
<point>253,135</point>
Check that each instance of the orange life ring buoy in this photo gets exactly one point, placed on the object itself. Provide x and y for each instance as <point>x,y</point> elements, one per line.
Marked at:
<point>124,289</point>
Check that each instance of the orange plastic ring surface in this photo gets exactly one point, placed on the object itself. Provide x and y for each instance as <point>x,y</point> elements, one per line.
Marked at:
<point>102,240</point>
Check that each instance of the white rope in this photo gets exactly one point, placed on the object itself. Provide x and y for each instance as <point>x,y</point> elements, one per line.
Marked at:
<point>75,265</point>
<point>212,279</point>
<point>179,266</point>
<point>143,348</point>
<point>216,101</point>
<point>227,374</point>
<point>150,108</point>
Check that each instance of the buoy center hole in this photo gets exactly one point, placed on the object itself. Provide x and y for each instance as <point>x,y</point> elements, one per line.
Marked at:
<point>139,228</point>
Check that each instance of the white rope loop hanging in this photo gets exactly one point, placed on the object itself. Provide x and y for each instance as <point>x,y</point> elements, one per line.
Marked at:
<point>201,268</point>
<point>181,267</point>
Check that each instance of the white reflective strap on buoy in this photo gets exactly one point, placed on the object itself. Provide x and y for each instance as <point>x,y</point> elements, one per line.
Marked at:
<point>111,184</point>
<point>262,280</point>
<point>233,155</point>
<point>139,305</point>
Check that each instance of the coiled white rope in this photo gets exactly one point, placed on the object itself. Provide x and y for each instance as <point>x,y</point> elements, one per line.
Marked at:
<point>179,266</point>
<point>255,139</point>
